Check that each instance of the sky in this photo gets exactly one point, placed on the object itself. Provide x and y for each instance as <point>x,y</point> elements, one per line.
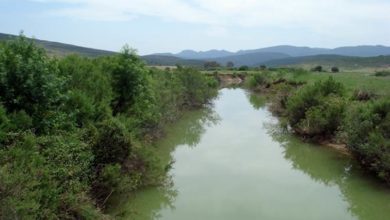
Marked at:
<point>155,26</point>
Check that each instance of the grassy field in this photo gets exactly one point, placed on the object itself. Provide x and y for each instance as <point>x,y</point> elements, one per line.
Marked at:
<point>352,81</point>
<point>361,79</point>
<point>345,63</point>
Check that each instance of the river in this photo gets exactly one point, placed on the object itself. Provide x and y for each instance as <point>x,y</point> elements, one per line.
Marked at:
<point>232,161</point>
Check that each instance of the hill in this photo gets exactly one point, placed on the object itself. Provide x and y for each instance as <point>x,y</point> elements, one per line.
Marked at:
<point>191,54</point>
<point>61,49</point>
<point>347,57</point>
<point>166,60</point>
<point>289,50</point>
<point>362,51</point>
<point>293,51</point>
<point>250,59</point>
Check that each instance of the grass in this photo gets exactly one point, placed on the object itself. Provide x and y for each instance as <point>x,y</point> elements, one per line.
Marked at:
<point>359,79</point>
<point>353,81</point>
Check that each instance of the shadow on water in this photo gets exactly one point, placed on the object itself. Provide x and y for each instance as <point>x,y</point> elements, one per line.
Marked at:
<point>367,198</point>
<point>187,131</point>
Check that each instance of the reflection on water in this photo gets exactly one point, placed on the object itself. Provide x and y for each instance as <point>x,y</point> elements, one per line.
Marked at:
<point>367,197</point>
<point>147,203</point>
<point>234,162</point>
<point>256,101</point>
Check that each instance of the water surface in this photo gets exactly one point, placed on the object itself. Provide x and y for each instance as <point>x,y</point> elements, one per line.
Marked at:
<point>233,162</point>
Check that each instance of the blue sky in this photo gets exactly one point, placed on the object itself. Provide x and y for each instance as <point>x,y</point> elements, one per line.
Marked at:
<point>152,26</point>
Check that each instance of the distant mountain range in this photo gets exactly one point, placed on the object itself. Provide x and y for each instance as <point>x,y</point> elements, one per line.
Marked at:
<point>293,51</point>
<point>168,60</point>
<point>282,53</point>
<point>353,56</point>
<point>191,54</point>
<point>250,59</point>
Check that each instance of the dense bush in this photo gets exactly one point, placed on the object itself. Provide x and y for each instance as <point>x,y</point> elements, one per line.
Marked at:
<point>382,73</point>
<point>317,69</point>
<point>46,177</point>
<point>128,79</point>
<point>230,65</point>
<point>258,79</point>
<point>335,69</point>
<point>72,131</point>
<point>112,144</point>
<point>4,124</point>
<point>324,118</point>
<point>187,89</point>
<point>195,86</point>
<point>363,95</point>
<point>243,68</point>
<point>368,135</point>
<point>279,100</point>
<point>316,109</point>
<point>90,92</point>
<point>211,65</point>
<point>30,81</point>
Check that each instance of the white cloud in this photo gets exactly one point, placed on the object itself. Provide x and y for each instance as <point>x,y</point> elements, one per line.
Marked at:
<point>216,31</point>
<point>172,10</point>
<point>315,15</point>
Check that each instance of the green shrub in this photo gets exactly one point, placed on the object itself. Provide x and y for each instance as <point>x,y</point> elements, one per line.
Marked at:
<point>257,79</point>
<point>279,100</point>
<point>112,179</point>
<point>317,69</point>
<point>368,135</point>
<point>196,87</point>
<point>298,73</point>
<point>211,65</point>
<point>29,81</point>
<point>230,65</point>
<point>363,95</point>
<point>4,124</point>
<point>72,131</point>
<point>382,73</point>
<point>46,178</point>
<point>168,92</point>
<point>21,121</point>
<point>316,109</point>
<point>212,84</point>
<point>335,69</point>
<point>324,118</point>
<point>243,68</point>
<point>113,143</point>
<point>90,92</point>
<point>128,79</point>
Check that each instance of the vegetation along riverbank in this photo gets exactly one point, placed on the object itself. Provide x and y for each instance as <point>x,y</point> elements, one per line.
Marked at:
<point>74,130</point>
<point>351,110</point>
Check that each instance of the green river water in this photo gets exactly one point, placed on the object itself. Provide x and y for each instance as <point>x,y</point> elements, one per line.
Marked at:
<point>232,161</point>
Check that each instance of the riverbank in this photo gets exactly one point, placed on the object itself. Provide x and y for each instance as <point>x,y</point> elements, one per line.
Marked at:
<point>233,161</point>
<point>326,112</point>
